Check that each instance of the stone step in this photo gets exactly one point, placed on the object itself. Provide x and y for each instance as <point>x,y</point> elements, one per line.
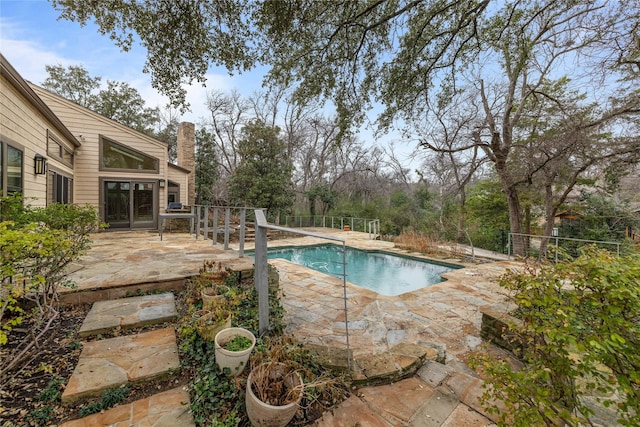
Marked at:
<point>113,362</point>
<point>128,313</point>
<point>437,409</point>
<point>169,408</point>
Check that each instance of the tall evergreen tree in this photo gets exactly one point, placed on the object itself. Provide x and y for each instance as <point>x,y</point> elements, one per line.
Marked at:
<point>263,177</point>
<point>206,167</point>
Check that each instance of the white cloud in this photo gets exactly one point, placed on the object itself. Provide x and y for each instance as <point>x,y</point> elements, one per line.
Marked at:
<point>29,59</point>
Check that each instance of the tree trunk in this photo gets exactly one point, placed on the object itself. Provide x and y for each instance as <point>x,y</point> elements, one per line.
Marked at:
<point>513,201</point>
<point>461,216</point>
<point>550,210</point>
<point>515,223</point>
<point>527,225</point>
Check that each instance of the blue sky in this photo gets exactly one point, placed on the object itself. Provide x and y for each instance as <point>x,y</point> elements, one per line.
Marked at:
<point>31,36</point>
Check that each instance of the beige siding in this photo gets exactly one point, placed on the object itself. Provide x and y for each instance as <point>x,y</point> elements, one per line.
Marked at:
<point>24,126</point>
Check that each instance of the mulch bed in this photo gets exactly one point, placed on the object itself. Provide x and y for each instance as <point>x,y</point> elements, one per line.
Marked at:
<point>21,401</point>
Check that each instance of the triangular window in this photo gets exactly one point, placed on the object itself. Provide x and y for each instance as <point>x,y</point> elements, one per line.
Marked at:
<point>120,157</point>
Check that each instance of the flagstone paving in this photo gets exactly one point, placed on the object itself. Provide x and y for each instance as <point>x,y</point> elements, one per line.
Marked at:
<point>415,401</point>
<point>167,409</point>
<point>390,337</point>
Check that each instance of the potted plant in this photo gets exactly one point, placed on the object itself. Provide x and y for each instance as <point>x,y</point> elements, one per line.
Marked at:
<point>233,347</point>
<point>213,295</point>
<point>213,318</point>
<point>274,391</point>
<point>213,272</point>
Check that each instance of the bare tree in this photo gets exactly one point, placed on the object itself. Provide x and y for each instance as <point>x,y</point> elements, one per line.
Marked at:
<point>229,114</point>
<point>530,45</point>
<point>452,125</point>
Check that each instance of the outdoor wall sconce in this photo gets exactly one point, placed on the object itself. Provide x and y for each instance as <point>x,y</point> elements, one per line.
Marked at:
<point>39,165</point>
<point>162,183</point>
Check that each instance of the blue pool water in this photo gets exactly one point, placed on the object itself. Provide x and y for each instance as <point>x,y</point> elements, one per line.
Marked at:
<point>381,272</point>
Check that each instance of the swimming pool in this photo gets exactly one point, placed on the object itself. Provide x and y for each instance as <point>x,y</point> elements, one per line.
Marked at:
<point>382,272</point>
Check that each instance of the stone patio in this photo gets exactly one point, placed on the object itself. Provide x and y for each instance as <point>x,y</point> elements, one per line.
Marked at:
<point>390,337</point>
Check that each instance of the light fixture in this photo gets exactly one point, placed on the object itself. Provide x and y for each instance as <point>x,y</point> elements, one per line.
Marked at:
<point>162,183</point>
<point>39,165</point>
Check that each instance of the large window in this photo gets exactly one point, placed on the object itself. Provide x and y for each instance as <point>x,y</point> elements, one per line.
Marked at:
<point>114,156</point>
<point>11,169</point>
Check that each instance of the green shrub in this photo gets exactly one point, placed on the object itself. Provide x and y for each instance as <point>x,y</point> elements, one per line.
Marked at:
<point>580,334</point>
<point>37,244</point>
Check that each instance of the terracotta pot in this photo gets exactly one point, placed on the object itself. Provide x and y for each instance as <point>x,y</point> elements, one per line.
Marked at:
<point>262,414</point>
<point>234,360</point>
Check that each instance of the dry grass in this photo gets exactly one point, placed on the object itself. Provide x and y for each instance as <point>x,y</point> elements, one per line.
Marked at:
<point>422,243</point>
<point>276,383</point>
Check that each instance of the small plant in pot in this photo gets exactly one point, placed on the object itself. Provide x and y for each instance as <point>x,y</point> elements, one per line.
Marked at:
<point>213,319</point>
<point>274,391</point>
<point>213,295</point>
<point>237,343</point>
<point>233,347</point>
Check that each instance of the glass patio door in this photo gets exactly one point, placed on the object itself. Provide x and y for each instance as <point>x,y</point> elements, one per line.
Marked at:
<point>130,204</point>
<point>143,212</point>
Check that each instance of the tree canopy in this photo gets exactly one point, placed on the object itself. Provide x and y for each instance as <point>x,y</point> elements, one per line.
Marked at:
<point>550,95</point>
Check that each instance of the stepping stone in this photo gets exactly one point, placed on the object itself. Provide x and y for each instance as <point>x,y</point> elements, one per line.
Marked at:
<point>398,402</point>
<point>436,410</point>
<point>130,312</point>
<point>169,408</point>
<point>117,361</point>
<point>351,412</point>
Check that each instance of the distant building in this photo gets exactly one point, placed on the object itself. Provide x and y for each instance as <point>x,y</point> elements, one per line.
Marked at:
<point>567,217</point>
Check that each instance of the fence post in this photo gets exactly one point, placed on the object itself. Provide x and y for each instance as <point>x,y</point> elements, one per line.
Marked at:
<point>344,298</point>
<point>206,222</point>
<point>261,275</point>
<point>214,223</point>
<point>198,213</point>
<point>227,217</point>
<point>243,214</point>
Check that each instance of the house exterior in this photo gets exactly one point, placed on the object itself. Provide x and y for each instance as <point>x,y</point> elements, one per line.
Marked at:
<point>28,130</point>
<point>90,159</point>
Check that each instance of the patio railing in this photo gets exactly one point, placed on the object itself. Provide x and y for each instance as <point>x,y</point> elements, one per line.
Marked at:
<point>213,221</point>
<point>261,272</point>
<point>366,225</point>
<point>549,246</point>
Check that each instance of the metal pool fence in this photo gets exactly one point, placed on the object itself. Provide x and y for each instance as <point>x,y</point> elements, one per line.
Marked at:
<point>365,225</point>
<point>261,275</point>
<point>550,247</point>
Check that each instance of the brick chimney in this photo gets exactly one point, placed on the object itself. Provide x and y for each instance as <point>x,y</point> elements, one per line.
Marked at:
<point>185,146</point>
